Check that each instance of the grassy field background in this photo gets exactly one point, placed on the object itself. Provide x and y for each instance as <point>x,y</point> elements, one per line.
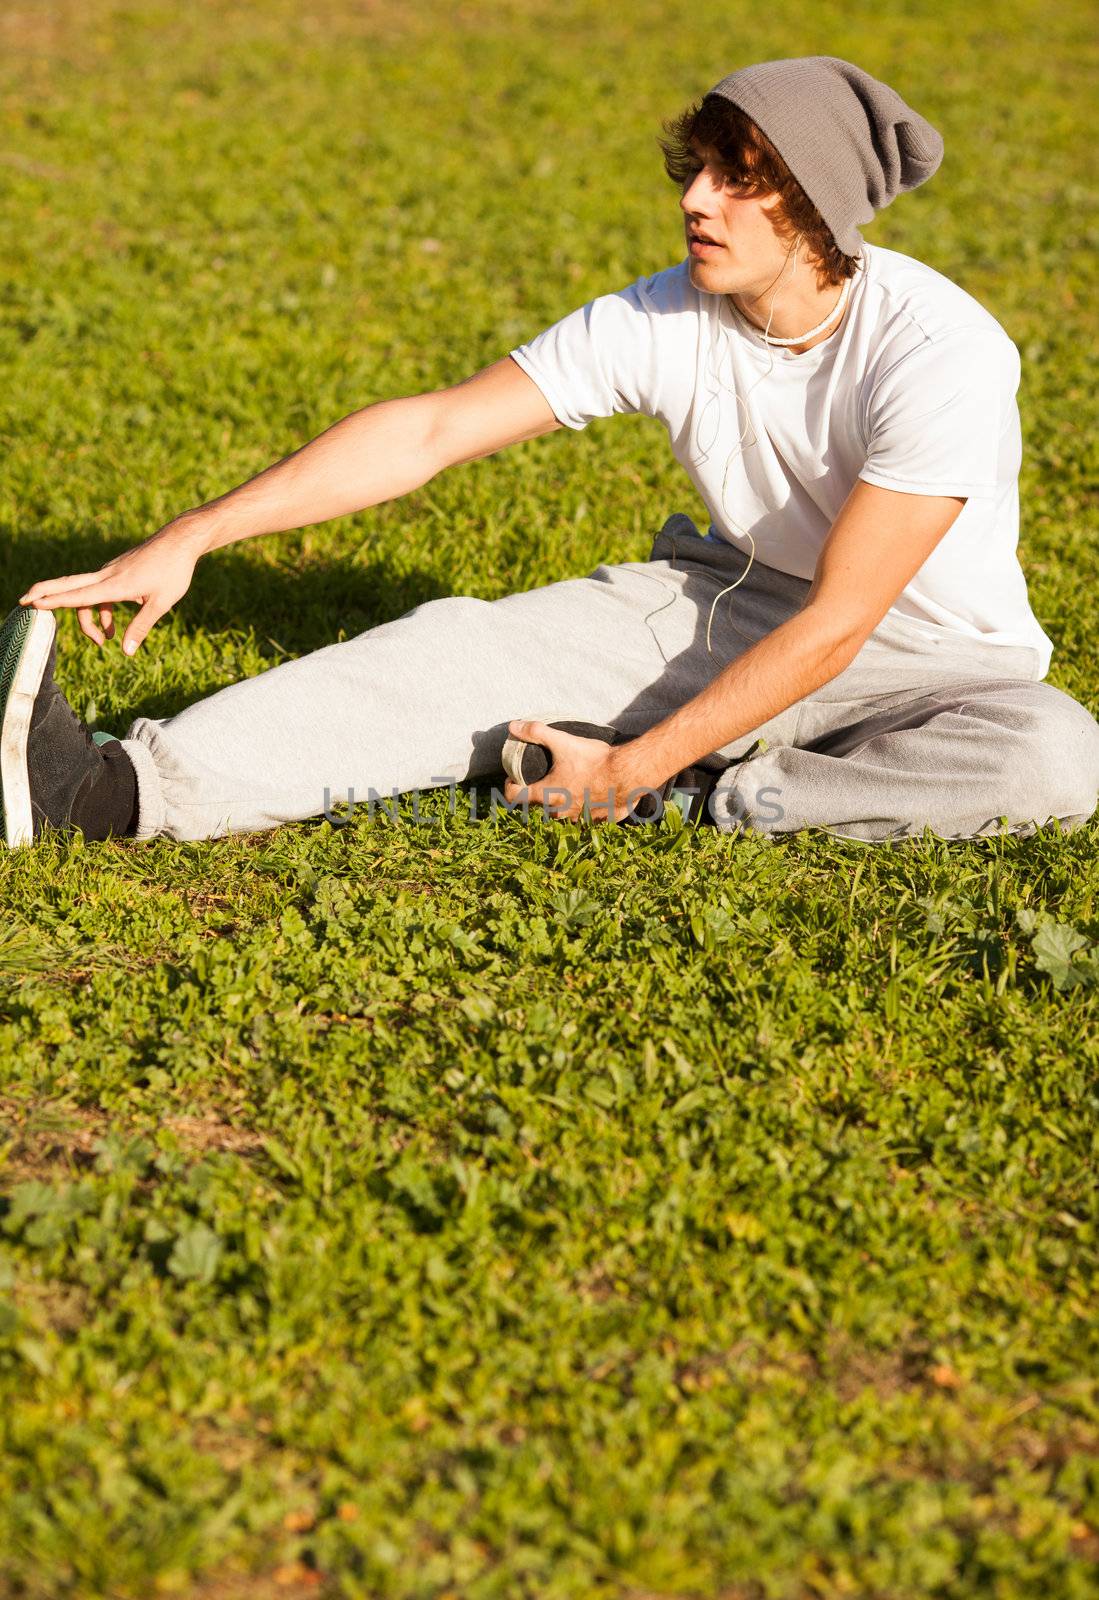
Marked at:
<point>492,1210</point>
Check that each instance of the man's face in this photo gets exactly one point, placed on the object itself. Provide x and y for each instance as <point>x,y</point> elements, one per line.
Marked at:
<point>746,254</point>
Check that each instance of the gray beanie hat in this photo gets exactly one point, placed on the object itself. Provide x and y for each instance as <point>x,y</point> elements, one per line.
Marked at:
<point>850,141</point>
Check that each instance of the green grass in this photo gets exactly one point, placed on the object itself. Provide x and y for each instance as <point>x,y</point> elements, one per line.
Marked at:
<point>490,1210</point>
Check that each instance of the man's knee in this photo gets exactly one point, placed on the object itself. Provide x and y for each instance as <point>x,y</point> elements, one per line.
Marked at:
<point>439,634</point>
<point>453,611</point>
<point>1056,763</point>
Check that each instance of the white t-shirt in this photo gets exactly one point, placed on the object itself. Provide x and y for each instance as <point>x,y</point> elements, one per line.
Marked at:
<point>915,391</point>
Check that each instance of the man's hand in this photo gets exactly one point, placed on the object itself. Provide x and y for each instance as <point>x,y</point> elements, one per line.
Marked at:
<point>584,778</point>
<point>155,574</point>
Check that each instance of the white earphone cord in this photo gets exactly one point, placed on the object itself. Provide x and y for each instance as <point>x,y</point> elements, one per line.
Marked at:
<point>743,444</point>
<point>739,447</point>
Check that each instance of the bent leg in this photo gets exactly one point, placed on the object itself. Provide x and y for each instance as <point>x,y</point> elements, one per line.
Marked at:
<point>960,759</point>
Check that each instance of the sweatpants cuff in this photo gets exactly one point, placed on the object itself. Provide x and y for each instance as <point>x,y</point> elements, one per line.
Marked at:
<point>746,799</point>
<point>150,800</point>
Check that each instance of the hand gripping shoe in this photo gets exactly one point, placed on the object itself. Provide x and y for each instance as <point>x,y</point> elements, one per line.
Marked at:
<point>53,771</point>
<point>689,790</point>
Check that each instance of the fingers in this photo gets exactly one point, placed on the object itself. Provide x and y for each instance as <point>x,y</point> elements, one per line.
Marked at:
<point>150,614</point>
<point>86,609</point>
<point>86,594</point>
<point>38,592</point>
<point>513,790</point>
<point>533,732</point>
<point>557,742</point>
<point>551,800</point>
<point>87,625</point>
<point>555,739</point>
<point>557,804</point>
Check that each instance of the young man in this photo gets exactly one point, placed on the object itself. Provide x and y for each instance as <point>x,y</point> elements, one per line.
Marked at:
<point>851,645</point>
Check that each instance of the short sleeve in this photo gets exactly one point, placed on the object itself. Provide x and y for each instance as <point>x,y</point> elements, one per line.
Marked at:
<point>937,419</point>
<point>599,360</point>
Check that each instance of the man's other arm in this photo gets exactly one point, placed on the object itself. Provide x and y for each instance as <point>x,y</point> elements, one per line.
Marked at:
<point>382,452</point>
<point>379,453</point>
<point>876,545</point>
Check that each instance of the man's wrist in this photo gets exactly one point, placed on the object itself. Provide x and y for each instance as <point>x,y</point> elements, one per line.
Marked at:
<point>199,530</point>
<point>634,765</point>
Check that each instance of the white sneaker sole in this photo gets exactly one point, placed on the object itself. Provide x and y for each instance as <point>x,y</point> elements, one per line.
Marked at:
<point>511,757</point>
<point>14,778</point>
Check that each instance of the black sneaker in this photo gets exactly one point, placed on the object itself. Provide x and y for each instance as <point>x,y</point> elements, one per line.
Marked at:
<point>53,771</point>
<point>690,789</point>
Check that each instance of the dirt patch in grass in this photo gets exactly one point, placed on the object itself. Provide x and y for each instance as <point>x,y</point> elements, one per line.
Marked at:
<point>63,1308</point>
<point>751,1593</point>
<point>205,1133</point>
<point>293,1580</point>
<point>853,1367</point>
<point>229,1442</point>
<point>44,1138</point>
<point>47,1140</point>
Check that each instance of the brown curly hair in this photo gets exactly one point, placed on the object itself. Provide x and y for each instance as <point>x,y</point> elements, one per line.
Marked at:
<point>751,161</point>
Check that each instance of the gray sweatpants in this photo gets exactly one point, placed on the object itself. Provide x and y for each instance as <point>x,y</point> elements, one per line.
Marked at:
<point>921,730</point>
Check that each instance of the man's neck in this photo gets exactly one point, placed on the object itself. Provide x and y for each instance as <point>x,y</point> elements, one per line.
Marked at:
<point>794,313</point>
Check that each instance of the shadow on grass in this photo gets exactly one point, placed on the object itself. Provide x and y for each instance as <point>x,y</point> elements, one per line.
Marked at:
<point>294,607</point>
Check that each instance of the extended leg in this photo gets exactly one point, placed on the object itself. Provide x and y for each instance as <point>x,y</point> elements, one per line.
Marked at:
<point>426,699</point>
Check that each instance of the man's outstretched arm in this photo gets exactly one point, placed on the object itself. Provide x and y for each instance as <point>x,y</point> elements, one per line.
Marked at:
<point>376,454</point>
<point>876,546</point>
